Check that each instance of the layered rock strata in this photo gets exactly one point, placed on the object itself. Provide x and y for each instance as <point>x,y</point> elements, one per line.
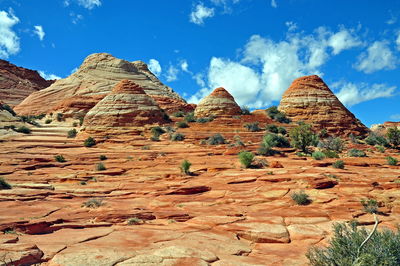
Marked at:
<point>219,103</point>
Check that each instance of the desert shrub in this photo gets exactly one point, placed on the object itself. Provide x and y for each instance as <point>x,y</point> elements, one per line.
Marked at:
<point>301,198</point>
<point>391,160</point>
<point>23,129</point>
<point>281,118</point>
<point>48,121</point>
<point>245,110</point>
<point>12,127</point>
<point>59,158</point>
<point>237,142</point>
<point>60,117</point>
<point>253,127</point>
<point>72,133</point>
<point>185,167</point>
<point>272,111</point>
<point>375,139</point>
<point>155,138</point>
<point>330,143</point>
<point>145,147</point>
<point>75,124</point>
<point>246,158</point>
<point>302,136</point>
<point>100,167</point>
<point>276,115</point>
<point>370,205</point>
<point>7,108</point>
<point>93,203</point>
<point>343,249</point>
<point>272,140</point>
<point>318,155</point>
<point>272,128</point>
<point>182,124</point>
<point>356,153</point>
<point>103,157</point>
<point>134,220</point>
<point>323,133</point>
<point>393,135</point>
<point>380,148</point>
<point>339,164</point>
<point>179,114</point>
<point>189,117</point>
<point>282,130</point>
<point>216,139</point>
<point>4,184</point>
<point>205,119</point>
<point>89,142</point>
<point>330,154</point>
<point>81,120</point>
<point>157,131</point>
<point>177,137</point>
<point>265,150</point>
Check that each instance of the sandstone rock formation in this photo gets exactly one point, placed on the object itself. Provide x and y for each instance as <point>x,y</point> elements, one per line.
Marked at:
<point>6,116</point>
<point>16,83</point>
<point>95,78</point>
<point>382,128</point>
<point>126,106</point>
<point>310,100</point>
<point>219,103</point>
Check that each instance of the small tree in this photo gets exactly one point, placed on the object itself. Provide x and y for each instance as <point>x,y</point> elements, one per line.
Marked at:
<point>185,167</point>
<point>59,158</point>
<point>302,136</point>
<point>89,142</point>
<point>393,135</point>
<point>246,158</point>
<point>72,133</point>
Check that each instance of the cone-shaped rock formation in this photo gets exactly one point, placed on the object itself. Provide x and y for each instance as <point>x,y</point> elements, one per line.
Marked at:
<point>310,100</point>
<point>219,103</point>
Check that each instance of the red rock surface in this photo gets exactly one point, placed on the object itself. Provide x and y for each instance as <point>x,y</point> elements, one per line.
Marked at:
<point>16,83</point>
<point>310,100</point>
<point>382,128</point>
<point>95,78</point>
<point>219,103</point>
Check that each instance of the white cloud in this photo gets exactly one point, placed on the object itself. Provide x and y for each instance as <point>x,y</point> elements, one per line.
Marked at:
<point>9,41</point>
<point>75,17</point>
<point>89,4</point>
<point>155,67</point>
<point>48,76</point>
<point>351,93</point>
<point>200,13</point>
<point>226,4</point>
<point>39,32</point>
<point>291,25</point>
<point>274,4</point>
<point>377,57</point>
<point>343,40</point>
<point>172,73</point>
<point>398,40</point>
<point>392,20</point>
<point>185,66</point>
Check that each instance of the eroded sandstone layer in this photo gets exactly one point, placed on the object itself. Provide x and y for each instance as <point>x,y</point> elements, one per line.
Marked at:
<point>95,78</point>
<point>219,103</point>
<point>310,100</point>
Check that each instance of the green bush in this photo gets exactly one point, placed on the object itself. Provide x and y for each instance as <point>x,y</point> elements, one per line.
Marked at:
<point>100,167</point>
<point>253,127</point>
<point>89,142</point>
<point>23,129</point>
<point>272,140</point>
<point>216,139</point>
<point>103,157</point>
<point>282,130</point>
<point>93,203</point>
<point>4,184</point>
<point>155,138</point>
<point>323,133</point>
<point>272,128</point>
<point>393,135</point>
<point>134,221</point>
<point>318,155</point>
<point>185,167</point>
<point>72,133</point>
<point>157,131</point>
<point>330,143</point>
<point>381,249</point>
<point>189,117</point>
<point>7,108</point>
<point>302,136</point>
<point>205,119</point>
<point>370,205</point>
<point>330,154</point>
<point>81,118</point>
<point>301,198</point>
<point>48,121</point>
<point>75,124</point>
<point>245,110</point>
<point>339,164</point>
<point>60,117</point>
<point>177,137</point>
<point>265,150</point>
<point>391,160</point>
<point>375,139</point>
<point>182,124</point>
<point>179,114</point>
<point>59,158</point>
<point>356,153</point>
<point>246,158</point>
<point>380,148</point>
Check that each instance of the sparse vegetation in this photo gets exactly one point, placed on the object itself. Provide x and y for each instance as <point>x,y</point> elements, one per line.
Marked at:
<point>216,139</point>
<point>246,158</point>
<point>301,198</point>
<point>48,121</point>
<point>100,167</point>
<point>331,143</point>
<point>205,119</point>
<point>89,142</point>
<point>23,129</point>
<point>370,205</point>
<point>318,155</point>
<point>7,108</point>
<point>380,148</point>
<point>134,221</point>
<point>185,167</point>
<point>375,139</point>
<point>60,117</point>
<point>391,160</point>
<point>81,118</point>
<point>323,133</point>
<point>182,124</point>
<point>282,130</point>
<point>302,137</point>
<point>4,184</point>
<point>270,141</point>
<point>157,131</point>
<point>393,135</point>
<point>72,133</point>
<point>189,117</point>
<point>339,164</point>
<point>272,128</point>
<point>59,158</point>
<point>93,203</point>
<point>276,115</point>
<point>179,114</point>
<point>177,137</point>
<point>253,127</point>
<point>103,157</point>
<point>330,154</point>
<point>75,124</point>
<point>356,153</point>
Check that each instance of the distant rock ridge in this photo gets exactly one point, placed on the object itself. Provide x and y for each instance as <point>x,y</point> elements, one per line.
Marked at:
<point>95,78</point>
<point>127,105</point>
<point>310,100</point>
<point>17,83</point>
<point>219,103</point>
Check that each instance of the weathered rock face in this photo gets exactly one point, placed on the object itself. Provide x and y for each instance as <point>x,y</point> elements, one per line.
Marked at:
<point>219,103</point>
<point>16,83</point>
<point>310,100</point>
<point>95,78</point>
<point>126,106</point>
<point>6,116</point>
<point>382,128</point>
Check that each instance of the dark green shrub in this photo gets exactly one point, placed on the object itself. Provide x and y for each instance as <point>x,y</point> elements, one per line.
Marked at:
<point>253,127</point>
<point>7,108</point>
<point>89,142</point>
<point>4,184</point>
<point>318,155</point>
<point>330,143</point>
<point>246,158</point>
<point>157,131</point>
<point>380,148</point>
<point>185,167</point>
<point>103,157</point>
<point>59,158</point>
<point>72,133</point>
<point>265,150</point>
<point>205,119</point>
<point>23,129</point>
<point>81,118</point>
<point>134,221</point>
<point>281,118</point>
<point>179,114</point>
<point>48,121</point>
<point>381,249</point>
<point>323,134</point>
<point>393,135</point>
<point>245,110</point>
<point>391,160</point>
<point>60,117</point>
<point>330,154</point>
<point>272,128</point>
<point>338,164</point>
<point>75,124</point>
<point>375,139</point>
<point>155,138</point>
<point>93,203</point>
<point>356,153</point>
<point>100,167</point>
<point>177,137</point>
<point>282,130</point>
<point>302,136</point>
<point>370,205</point>
<point>301,198</point>
<point>182,124</point>
<point>216,139</point>
<point>189,117</point>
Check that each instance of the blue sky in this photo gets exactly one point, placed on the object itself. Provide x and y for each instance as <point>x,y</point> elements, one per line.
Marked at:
<point>253,48</point>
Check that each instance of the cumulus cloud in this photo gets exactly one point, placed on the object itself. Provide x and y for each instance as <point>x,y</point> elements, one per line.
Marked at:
<point>274,4</point>
<point>378,56</point>
<point>9,41</point>
<point>155,67</point>
<point>89,4</point>
<point>172,73</point>
<point>350,93</point>
<point>200,13</point>
<point>39,32</point>
<point>48,76</point>
<point>343,40</point>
